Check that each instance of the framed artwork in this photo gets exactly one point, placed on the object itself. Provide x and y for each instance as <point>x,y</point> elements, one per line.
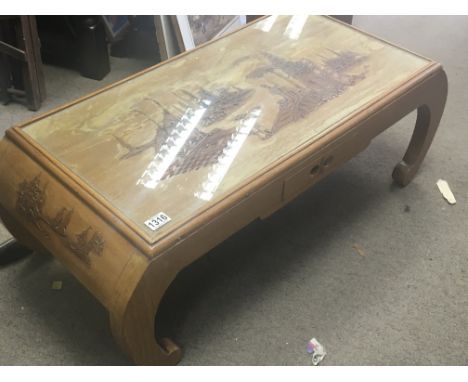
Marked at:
<point>192,31</point>
<point>166,37</point>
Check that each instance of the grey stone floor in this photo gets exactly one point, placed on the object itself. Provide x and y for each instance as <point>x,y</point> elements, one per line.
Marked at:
<point>262,294</point>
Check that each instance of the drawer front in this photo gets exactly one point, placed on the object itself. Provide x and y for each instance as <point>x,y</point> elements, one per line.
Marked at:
<point>313,169</point>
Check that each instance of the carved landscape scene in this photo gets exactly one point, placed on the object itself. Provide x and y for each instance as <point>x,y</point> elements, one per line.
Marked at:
<point>306,87</point>
<point>192,130</point>
<point>30,203</point>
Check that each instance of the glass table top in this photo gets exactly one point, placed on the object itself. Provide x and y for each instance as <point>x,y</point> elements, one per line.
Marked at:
<point>171,142</point>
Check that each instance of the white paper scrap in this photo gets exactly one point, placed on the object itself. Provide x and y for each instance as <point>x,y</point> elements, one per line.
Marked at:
<point>317,350</point>
<point>446,192</point>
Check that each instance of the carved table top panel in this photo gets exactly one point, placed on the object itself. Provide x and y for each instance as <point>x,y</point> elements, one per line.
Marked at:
<point>180,137</point>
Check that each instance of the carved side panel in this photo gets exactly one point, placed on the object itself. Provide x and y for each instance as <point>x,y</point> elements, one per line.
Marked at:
<point>30,203</point>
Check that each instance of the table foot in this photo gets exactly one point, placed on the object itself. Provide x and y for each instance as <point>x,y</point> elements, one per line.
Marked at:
<point>427,122</point>
<point>134,329</point>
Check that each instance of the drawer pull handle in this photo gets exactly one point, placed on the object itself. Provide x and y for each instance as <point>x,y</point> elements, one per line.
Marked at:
<point>320,166</point>
<point>328,161</point>
<point>315,170</point>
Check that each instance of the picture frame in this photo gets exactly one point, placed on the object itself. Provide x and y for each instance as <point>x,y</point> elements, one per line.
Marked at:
<point>194,30</point>
<point>165,35</point>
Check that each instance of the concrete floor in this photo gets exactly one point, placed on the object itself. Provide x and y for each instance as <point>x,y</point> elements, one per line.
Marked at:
<point>262,294</point>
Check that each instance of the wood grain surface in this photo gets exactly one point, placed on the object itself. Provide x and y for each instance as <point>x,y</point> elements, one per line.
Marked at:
<point>180,137</point>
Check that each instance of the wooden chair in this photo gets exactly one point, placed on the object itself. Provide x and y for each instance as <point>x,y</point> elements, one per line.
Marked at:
<point>21,75</point>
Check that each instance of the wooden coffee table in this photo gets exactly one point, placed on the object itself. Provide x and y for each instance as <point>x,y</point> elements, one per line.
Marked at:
<point>129,185</point>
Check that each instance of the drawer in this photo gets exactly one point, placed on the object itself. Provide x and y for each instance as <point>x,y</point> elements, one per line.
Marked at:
<point>315,168</point>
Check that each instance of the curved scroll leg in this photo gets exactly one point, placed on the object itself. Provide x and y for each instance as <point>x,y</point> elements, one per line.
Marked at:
<point>427,122</point>
<point>134,328</point>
